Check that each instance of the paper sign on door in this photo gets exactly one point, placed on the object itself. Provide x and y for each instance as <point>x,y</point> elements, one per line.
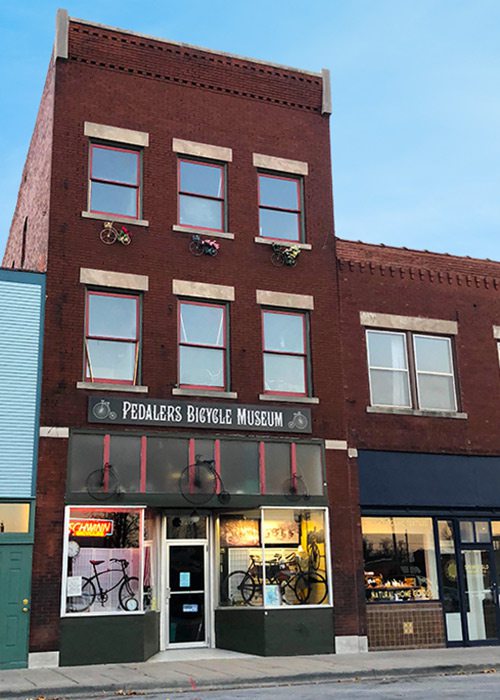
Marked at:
<point>184,579</point>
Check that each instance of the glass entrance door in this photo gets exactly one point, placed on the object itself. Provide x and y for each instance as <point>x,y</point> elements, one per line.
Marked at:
<point>186,594</point>
<point>479,595</point>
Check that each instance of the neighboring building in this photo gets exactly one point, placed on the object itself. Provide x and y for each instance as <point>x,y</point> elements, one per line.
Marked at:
<point>191,403</point>
<point>22,296</point>
<point>421,336</point>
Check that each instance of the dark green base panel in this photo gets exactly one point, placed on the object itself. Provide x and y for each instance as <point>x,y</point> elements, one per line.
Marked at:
<point>282,632</point>
<point>109,640</point>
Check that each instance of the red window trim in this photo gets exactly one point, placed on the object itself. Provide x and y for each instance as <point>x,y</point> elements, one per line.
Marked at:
<point>269,207</point>
<point>222,348</point>
<point>117,183</point>
<point>135,341</point>
<point>187,193</point>
<point>303,354</point>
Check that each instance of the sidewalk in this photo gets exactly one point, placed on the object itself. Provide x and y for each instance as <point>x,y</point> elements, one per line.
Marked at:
<point>214,668</point>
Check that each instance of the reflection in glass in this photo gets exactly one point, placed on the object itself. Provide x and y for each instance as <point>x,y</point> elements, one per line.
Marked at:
<point>201,213</point>
<point>480,601</point>
<point>283,332</point>
<point>284,374</point>
<point>202,324</point>
<point>449,582</point>
<point>279,224</point>
<point>112,316</point>
<point>114,165</point>
<point>201,178</point>
<point>113,199</point>
<point>278,192</point>
<point>201,367</point>
<point>110,360</point>
<point>433,354</point>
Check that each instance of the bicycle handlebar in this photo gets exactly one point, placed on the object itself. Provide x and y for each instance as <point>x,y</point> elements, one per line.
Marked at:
<point>121,561</point>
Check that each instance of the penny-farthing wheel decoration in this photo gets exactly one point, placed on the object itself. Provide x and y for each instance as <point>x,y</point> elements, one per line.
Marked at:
<point>102,484</point>
<point>199,483</point>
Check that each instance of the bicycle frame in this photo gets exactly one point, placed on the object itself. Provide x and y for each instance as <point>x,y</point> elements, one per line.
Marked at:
<point>104,592</point>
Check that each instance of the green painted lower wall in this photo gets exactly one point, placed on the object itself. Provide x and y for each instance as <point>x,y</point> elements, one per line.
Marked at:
<point>284,632</point>
<point>107,640</point>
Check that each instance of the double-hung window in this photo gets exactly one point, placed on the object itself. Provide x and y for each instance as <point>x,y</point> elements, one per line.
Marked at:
<point>112,337</point>
<point>411,370</point>
<point>285,351</point>
<point>202,195</point>
<point>203,346</point>
<point>280,207</point>
<point>115,174</point>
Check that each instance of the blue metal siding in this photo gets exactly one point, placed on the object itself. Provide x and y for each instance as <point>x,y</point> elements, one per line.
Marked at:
<point>21,305</point>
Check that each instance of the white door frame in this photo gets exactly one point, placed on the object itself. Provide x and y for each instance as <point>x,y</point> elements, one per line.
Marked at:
<point>165,592</point>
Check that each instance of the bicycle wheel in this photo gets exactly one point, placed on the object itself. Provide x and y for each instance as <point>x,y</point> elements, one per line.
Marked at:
<point>125,239</point>
<point>277,259</point>
<point>302,588</point>
<point>195,248</point>
<point>237,589</point>
<point>102,484</point>
<point>198,483</point>
<point>318,588</point>
<point>108,235</point>
<point>82,602</point>
<point>128,595</point>
<point>287,590</point>
<point>314,555</point>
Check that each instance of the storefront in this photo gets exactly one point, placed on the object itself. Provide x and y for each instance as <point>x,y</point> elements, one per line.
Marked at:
<point>432,551</point>
<point>178,539</point>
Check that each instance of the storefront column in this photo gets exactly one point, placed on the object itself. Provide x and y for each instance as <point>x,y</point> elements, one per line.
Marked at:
<point>347,552</point>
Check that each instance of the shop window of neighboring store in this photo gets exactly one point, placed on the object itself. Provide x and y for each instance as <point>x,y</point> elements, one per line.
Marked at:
<point>280,207</point>
<point>274,557</point>
<point>285,350</point>
<point>14,518</point>
<point>410,370</point>
<point>400,559</point>
<point>202,195</point>
<point>104,567</point>
<point>115,175</point>
<point>203,346</point>
<point>112,337</point>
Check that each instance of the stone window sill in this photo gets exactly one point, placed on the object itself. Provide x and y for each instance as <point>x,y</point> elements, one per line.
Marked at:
<point>115,218</point>
<point>289,399</point>
<point>286,244</point>
<point>124,388</point>
<point>205,394</point>
<point>415,412</point>
<point>203,232</point>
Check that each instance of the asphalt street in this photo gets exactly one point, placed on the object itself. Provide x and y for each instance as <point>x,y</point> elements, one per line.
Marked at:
<point>456,687</point>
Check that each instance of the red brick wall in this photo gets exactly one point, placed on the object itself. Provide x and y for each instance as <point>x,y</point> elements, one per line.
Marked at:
<point>180,94</point>
<point>34,192</point>
<point>412,283</point>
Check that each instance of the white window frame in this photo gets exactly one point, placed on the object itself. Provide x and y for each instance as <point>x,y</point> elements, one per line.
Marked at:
<point>428,373</point>
<point>387,369</point>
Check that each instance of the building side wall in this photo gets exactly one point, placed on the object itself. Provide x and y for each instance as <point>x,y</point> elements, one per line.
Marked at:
<point>27,244</point>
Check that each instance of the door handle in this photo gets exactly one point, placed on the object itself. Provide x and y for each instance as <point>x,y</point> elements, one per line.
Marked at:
<point>167,594</point>
<point>25,610</point>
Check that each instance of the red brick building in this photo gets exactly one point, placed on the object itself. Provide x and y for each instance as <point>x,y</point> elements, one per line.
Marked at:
<point>421,374</point>
<point>192,433</point>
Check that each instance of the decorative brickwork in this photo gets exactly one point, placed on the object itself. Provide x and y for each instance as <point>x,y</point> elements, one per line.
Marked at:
<point>405,626</point>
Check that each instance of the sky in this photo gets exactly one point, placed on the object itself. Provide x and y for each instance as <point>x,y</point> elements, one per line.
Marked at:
<point>415,90</point>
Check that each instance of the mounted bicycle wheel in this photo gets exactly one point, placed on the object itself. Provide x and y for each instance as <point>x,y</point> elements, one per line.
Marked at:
<point>198,483</point>
<point>125,239</point>
<point>238,589</point>
<point>128,594</point>
<point>102,484</point>
<point>195,248</point>
<point>82,602</point>
<point>318,588</point>
<point>294,489</point>
<point>277,259</point>
<point>108,235</point>
<point>314,555</point>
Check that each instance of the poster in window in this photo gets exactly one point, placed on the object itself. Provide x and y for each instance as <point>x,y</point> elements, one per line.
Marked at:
<point>239,532</point>
<point>281,532</point>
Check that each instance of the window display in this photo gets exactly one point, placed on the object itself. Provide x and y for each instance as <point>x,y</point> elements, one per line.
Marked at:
<point>104,564</point>
<point>14,517</point>
<point>400,560</point>
<point>273,557</point>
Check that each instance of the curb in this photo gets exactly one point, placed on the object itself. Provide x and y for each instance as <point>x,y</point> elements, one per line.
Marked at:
<point>147,688</point>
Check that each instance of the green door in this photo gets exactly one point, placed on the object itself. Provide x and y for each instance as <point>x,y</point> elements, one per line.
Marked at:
<point>15,584</point>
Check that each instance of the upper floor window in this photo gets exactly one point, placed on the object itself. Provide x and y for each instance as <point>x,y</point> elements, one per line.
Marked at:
<point>202,346</point>
<point>114,180</point>
<point>285,353</point>
<point>201,195</point>
<point>410,370</point>
<point>280,207</point>
<point>112,341</point>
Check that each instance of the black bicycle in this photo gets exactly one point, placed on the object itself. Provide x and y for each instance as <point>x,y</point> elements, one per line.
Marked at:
<point>92,590</point>
<point>199,482</point>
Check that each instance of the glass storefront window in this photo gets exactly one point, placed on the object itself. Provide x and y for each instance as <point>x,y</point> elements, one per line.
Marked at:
<point>400,560</point>
<point>273,557</point>
<point>104,565</point>
<point>449,581</point>
<point>14,517</point>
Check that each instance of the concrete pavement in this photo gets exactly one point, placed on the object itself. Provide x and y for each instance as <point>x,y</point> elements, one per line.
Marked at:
<point>181,671</point>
